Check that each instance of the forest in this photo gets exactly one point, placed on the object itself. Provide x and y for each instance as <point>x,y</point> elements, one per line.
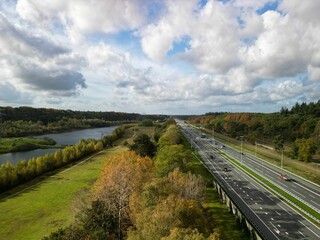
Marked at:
<point>297,128</point>
<point>146,193</point>
<point>25,121</point>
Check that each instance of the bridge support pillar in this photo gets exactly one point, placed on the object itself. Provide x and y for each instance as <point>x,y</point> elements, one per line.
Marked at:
<point>240,218</point>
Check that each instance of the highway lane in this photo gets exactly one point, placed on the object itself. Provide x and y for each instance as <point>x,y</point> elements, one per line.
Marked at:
<point>275,218</point>
<point>299,188</point>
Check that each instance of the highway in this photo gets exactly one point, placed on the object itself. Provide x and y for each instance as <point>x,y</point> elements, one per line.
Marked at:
<point>271,217</point>
<point>301,189</point>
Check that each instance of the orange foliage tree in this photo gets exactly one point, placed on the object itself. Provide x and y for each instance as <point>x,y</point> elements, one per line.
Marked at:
<point>122,175</point>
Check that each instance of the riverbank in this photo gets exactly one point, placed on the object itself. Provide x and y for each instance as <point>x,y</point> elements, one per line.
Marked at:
<point>8,145</point>
<point>43,205</point>
<point>49,203</point>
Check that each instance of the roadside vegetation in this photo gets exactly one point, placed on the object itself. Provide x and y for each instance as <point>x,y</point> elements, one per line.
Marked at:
<point>296,131</point>
<point>160,195</point>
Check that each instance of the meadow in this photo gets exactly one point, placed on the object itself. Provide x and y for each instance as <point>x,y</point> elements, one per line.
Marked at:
<point>47,205</point>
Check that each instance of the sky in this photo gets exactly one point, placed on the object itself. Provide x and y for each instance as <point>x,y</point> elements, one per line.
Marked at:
<point>159,56</point>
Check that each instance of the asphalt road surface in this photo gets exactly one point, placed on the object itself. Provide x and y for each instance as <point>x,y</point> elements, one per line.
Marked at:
<point>301,189</point>
<point>272,218</point>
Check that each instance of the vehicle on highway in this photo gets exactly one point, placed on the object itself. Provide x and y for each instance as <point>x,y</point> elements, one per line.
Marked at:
<point>212,157</point>
<point>225,169</point>
<point>222,146</point>
<point>285,177</point>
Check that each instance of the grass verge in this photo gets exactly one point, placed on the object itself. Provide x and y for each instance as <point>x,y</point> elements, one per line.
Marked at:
<point>45,206</point>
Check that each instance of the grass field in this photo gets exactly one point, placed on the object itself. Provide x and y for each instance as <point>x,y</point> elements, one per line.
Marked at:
<point>45,207</point>
<point>45,204</point>
<point>24,144</point>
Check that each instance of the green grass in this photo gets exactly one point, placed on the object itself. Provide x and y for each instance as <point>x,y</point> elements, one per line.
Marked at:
<point>46,206</point>
<point>24,144</point>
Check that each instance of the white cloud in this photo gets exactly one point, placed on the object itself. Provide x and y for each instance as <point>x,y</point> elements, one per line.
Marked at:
<point>11,95</point>
<point>32,61</point>
<point>306,11</point>
<point>157,38</point>
<point>214,39</point>
<point>250,4</point>
<point>82,17</point>
<point>229,54</point>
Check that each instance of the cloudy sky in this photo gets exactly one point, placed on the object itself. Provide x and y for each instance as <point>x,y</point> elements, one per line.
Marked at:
<point>159,56</point>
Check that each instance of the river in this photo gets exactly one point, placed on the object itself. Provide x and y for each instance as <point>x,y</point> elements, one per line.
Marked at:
<point>65,138</point>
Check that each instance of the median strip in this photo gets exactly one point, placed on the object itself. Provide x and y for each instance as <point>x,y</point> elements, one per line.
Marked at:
<point>303,209</point>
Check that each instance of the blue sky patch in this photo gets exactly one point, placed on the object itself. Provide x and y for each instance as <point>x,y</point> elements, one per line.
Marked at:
<point>267,7</point>
<point>180,46</point>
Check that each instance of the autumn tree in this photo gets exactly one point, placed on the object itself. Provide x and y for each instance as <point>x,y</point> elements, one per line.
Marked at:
<point>121,176</point>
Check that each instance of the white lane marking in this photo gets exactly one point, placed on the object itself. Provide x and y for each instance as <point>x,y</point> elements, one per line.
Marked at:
<point>307,189</point>
<point>315,202</point>
<point>313,196</point>
<point>272,219</point>
<point>279,225</point>
<point>251,199</point>
<point>284,209</point>
<point>287,233</point>
<point>266,213</point>
<point>278,213</point>
<point>301,233</point>
<point>282,184</point>
<point>275,228</point>
<point>261,208</point>
<point>298,193</point>
<point>309,229</point>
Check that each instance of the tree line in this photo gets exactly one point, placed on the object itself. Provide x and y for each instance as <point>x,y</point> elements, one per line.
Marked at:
<point>13,175</point>
<point>25,121</point>
<point>146,195</point>
<point>26,128</point>
<point>46,115</point>
<point>298,128</point>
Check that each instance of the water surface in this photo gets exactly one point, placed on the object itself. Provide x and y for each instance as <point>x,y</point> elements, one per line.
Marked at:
<point>65,138</point>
